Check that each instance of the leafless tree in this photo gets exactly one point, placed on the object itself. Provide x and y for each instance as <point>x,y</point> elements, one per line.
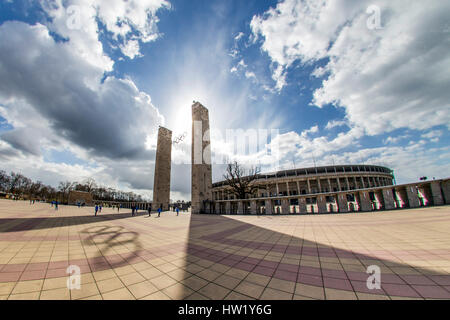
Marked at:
<point>241,180</point>
<point>4,181</point>
<point>65,187</point>
<point>35,189</point>
<point>90,184</point>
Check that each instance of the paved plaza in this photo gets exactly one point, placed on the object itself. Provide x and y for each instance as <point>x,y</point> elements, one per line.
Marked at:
<point>222,257</point>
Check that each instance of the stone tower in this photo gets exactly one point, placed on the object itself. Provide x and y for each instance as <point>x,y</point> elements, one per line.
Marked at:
<point>201,189</point>
<point>161,186</point>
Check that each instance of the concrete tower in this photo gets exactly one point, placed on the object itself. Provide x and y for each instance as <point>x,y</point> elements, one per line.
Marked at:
<point>201,190</point>
<point>161,186</point>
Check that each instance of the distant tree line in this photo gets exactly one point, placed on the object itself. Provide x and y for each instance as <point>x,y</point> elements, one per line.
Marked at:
<point>23,187</point>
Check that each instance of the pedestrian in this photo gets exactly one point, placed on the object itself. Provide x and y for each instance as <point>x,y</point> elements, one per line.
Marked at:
<point>159,211</point>
<point>56,205</point>
<point>149,210</point>
<point>118,208</point>
<point>96,209</point>
<point>132,210</point>
<point>100,208</point>
<point>178,211</point>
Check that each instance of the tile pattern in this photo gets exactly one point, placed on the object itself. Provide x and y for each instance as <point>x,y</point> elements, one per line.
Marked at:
<point>222,257</point>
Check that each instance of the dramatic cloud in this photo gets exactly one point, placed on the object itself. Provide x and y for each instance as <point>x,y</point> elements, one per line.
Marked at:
<point>387,76</point>
<point>56,94</point>
<point>110,118</point>
<point>127,22</point>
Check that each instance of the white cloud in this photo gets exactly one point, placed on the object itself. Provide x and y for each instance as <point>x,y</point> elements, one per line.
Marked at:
<point>58,86</point>
<point>239,36</point>
<point>394,77</point>
<point>336,123</point>
<point>433,135</point>
<point>127,21</point>
<point>131,49</point>
<point>250,75</point>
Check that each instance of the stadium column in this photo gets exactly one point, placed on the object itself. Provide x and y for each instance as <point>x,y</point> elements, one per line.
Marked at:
<point>253,207</point>
<point>413,198</point>
<point>388,199</point>
<point>342,203</point>
<point>227,208</point>
<point>268,205</point>
<point>285,206</point>
<point>240,207</point>
<point>302,205</point>
<point>201,182</point>
<point>436,193</point>
<point>321,204</point>
<point>364,201</point>
<point>446,190</point>
<point>161,186</point>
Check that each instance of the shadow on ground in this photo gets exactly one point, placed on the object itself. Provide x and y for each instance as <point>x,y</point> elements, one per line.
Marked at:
<point>279,266</point>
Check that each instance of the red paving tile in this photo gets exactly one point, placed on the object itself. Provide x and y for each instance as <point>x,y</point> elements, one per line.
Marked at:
<point>9,276</point>
<point>399,290</point>
<point>238,245</point>
<point>432,292</point>
<point>33,275</point>
<point>310,280</point>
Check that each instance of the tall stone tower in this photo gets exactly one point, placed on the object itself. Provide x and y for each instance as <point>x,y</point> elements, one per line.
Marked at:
<point>201,189</point>
<point>161,186</point>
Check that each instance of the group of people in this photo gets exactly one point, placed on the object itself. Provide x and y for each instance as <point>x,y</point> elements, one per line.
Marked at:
<point>55,203</point>
<point>98,208</point>
<point>134,209</point>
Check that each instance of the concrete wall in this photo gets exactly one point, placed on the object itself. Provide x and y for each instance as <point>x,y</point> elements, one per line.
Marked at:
<point>342,203</point>
<point>364,201</point>
<point>445,186</point>
<point>322,204</point>
<point>438,199</point>
<point>161,186</point>
<point>79,196</point>
<point>201,188</point>
<point>413,198</point>
<point>268,205</point>
<point>285,206</point>
<point>388,199</point>
<point>437,192</point>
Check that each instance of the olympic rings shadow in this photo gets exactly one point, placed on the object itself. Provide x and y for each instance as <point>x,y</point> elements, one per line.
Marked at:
<point>107,237</point>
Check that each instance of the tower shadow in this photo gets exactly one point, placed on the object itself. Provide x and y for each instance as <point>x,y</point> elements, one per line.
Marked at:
<point>247,257</point>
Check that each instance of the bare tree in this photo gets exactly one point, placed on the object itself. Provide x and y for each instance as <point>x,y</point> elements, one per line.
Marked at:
<point>18,183</point>
<point>4,181</point>
<point>241,180</point>
<point>65,187</point>
<point>90,184</point>
<point>35,189</point>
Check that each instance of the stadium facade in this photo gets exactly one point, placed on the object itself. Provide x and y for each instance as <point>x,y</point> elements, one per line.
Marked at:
<point>329,189</point>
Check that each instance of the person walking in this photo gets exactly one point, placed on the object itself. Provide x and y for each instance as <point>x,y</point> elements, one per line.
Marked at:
<point>159,210</point>
<point>177,210</point>
<point>96,209</point>
<point>149,210</point>
<point>56,205</point>
<point>100,208</point>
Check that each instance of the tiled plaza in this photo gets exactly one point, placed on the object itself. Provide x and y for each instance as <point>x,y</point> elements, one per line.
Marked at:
<point>222,257</point>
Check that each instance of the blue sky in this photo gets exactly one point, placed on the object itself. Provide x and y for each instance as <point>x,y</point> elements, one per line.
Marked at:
<point>84,90</point>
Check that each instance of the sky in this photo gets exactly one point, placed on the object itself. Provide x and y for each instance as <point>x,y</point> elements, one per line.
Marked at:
<point>84,85</point>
